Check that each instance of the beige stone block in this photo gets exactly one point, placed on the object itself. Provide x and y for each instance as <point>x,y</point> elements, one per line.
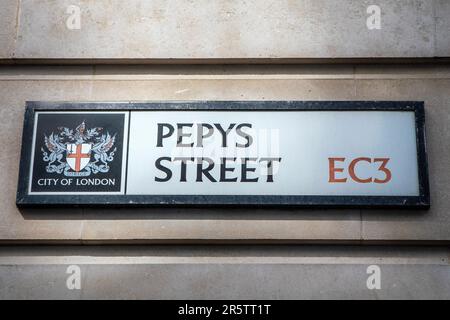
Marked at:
<point>8,24</point>
<point>223,90</point>
<point>221,272</point>
<point>254,225</point>
<point>442,9</point>
<point>204,29</point>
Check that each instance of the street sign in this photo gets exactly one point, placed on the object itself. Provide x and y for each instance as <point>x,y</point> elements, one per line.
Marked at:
<point>257,153</point>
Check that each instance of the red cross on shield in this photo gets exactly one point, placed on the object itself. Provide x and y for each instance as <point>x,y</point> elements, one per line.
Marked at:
<point>78,155</point>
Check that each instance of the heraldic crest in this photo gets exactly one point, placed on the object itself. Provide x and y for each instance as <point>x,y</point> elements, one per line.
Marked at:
<point>79,152</point>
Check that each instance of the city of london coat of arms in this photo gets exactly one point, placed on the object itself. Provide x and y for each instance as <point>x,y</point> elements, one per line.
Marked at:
<point>80,152</point>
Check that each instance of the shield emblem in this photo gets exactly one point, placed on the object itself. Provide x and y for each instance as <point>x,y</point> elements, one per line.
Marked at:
<point>78,155</point>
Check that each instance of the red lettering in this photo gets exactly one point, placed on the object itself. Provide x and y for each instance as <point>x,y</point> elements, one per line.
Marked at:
<point>383,168</point>
<point>352,167</point>
<point>333,170</point>
<point>351,170</point>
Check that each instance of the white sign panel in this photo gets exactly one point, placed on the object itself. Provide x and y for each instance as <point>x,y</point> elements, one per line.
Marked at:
<point>226,153</point>
<point>266,153</point>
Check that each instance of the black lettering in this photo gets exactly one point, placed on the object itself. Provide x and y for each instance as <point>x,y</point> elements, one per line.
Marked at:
<point>166,170</point>
<point>224,170</point>
<point>181,134</point>
<point>245,169</point>
<point>224,133</point>
<point>184,161</point>
<point>161,136</point>
<point>200,135</point>
<point>270,167</point>
<point>244,135</point>
<point>204,171</point>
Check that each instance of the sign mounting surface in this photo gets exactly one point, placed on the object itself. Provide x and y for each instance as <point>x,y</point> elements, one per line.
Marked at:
<point>276,153</point>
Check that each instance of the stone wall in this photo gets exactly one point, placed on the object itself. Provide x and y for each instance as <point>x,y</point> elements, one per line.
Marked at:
<point>204,30</point>
<point>224,272</point>
<point>224,50</point>
<point>430,83</point>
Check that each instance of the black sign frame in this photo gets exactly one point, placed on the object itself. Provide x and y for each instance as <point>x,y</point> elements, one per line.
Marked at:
<point>422,201</point>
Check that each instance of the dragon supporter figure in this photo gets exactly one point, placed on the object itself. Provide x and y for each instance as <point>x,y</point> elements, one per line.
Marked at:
<point>89,151</point>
